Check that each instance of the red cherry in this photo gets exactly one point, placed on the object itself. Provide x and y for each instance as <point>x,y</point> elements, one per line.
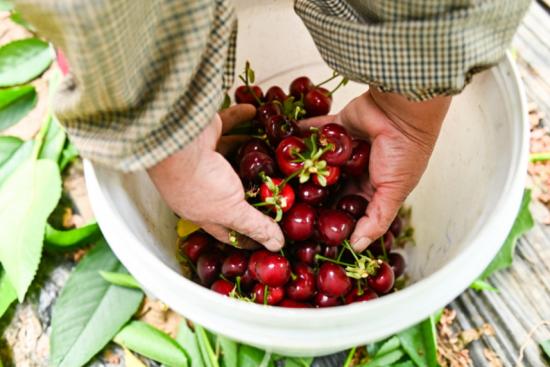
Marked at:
<point>303,287</point>
<point>367,295</point>
<point>286,155</point>
<point>312,194</point>
<point>300,86</point>
<point>331,179</point>
<point>354,205</point>
<point>235,264</point>
<point>356,296</point>
<point>273,270</point>
<point>254,258</point>
<point>397,263</point>
<point>247,281</point>
<point>208,267</point>
<point>332,280</point>
<point>338,136</point>
<point>376,247</point>
<point>222,286</point>
<point>383,280</point>
<point>358,163</point>
<point>253,163</point>
<point>299,222</point>
<point>243,94</point>
<point>322,300</point>
<point>290,303</point>
<point>317,102</point>
<point>334,226</point>
<point>330,251</point>
<point>396,226</point>
<point>278,127</point>
<point>264,112</point>
<point>306,251</point>
<point>253,145</point>
<point>275,93</point>
<point>274,294</point>
<point>195,245</point>
<point>285,198</point>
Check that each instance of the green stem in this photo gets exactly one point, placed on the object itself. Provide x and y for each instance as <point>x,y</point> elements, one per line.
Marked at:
<point>334,76</point>
<point>209,352</point>
<point>539,157</point>
<point>321,257</point>
<point>348,246</point>
<point>40,136</point>
<point>344,81</point>
<point>349,359</point>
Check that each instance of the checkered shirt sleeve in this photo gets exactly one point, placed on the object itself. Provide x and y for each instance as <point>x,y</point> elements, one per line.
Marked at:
<point>418,48</point>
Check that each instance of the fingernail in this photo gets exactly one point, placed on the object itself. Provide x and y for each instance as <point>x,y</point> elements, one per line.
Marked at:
<point>361,243</point>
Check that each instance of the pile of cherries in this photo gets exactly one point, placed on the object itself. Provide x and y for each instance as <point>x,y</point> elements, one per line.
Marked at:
<point>298,176</point>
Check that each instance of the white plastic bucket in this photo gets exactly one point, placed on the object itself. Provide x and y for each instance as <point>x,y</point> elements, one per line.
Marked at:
<point>462,209</point>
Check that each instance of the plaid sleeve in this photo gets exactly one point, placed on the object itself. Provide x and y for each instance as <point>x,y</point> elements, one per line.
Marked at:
<point>418,48</point>
<point>146,76</point>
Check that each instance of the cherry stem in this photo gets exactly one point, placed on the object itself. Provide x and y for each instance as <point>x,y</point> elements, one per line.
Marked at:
<point>344,81</point>
<point>266,290</point>
<point>288,178</point>
<point>384,253</point>
<point>341,253</point>
<point>334,76</point>
<point>359,288</point>
<point>348,246</point>
<point>247,83</point>
<point>321,257</point>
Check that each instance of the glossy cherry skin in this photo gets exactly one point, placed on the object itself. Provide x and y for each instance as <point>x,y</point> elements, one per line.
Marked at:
<point>285,155</point>
<point>396,226</point>
<point>253,145</point>
<point>382,282</point>
<point>235,264</point>
<point>322,300</point>
<point>254,258</point>
<point>290,303</point>
<point>305,252</point>
<point>273,270</point>
<point>274,294</point>
<point>243,94</point>
<point>330,251</point>
<point>300,86</point>
<point>286,194</point>
<point>338,136</point>
<point>208,267</point>
<point>355,296</point>
<point>334,226</point>
<point>317,102</point>
<point>222,286</point>
<point>253,163</point>
<point>332,178</point>
<point>278,127</point>
<point>376,247</point>
<point>332,280</point>
<point>247,281</point>
<point>298,223</point>
<point>368,295</point>
<point>265,111</point>
<point>303,287</point>
<point>275,93</point>
<point>312,194</point>
<point>354,205</point>
<point>358,163</point>
<point>195,245</point>
<point>397,263</point>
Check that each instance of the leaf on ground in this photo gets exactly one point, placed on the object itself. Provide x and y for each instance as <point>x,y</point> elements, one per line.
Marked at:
<point>8,146</point>
<point>420,343</point>
<point>16,103</point>
<point>120,279</point>
<point>389,345</point>
<point>15,160</point>
<point>186,338</point>
<point>297,361</point>
<point>545,346</point>
<point>229,350</point>
<point>250,356</point>
<point>7,293</point>
<point>54,141</point>
<point>207,352</point>
<point>523,223</point>
<point>385,360</point>
<point>481,285</point>
<point>90,310</point>
<point>27,198</point>
<point>23,60</point>
<point>152,343</point>
<point>71,238</point>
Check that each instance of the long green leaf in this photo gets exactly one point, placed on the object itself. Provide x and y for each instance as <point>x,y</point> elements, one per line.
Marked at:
<point>8,146</point>
<point>71,238</point>
<point>250,356</point>
<point>389,345</point>
<point>120,279</point>
<point>207,352</point>
<point>90,311</point>
<point>420,344</point>
<point>186,338</point>
<point>15,160</point>
<point>23,60</point>
<point>385,360</point>
<point>524,222</point>
<point>7,293</point>
<point>26,200</point>
<point>68,155</point>
<point>297,361</point>
<point>54,141</point>
<point>15,103</point>
<point>229,351</point>
<point>152,343</point>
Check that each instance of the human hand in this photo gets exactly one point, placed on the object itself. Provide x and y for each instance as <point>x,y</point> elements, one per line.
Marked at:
<point>402,135</point>
<point>200,185</point>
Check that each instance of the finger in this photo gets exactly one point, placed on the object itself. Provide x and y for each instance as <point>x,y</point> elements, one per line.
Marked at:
<point>236,115</point>
<point>316,121</point>
<point>228,144</point>
<point>250,222</point>
<point>223,235</point>
<point>379,214</point>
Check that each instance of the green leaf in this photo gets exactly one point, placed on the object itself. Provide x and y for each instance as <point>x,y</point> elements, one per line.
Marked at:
<point>385,360</point>
<point>7,293</point>
<point>26,200</point>
<point>15,160</point>
<point>90,310</point>
<point>68,155</point>
<point>389,345</point>
<point>229,351</point>
<point>523,223</point>
<point>6,5</point>
<point>186,338</point>
<point>545,346</point>
<point>16,18</point>
<point>8,146</point>
<point>481,285</point>
<point>404,364</point>
<point>23,60</point>
<point>420,344</point>
<point>69,239</point>
<point>120,279</point>
<point>297,361</point>
<point>152,343</point>
<point>15,103</point>
<point>54,141</point>
<point>250,356</point>
<point>208,356</point>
